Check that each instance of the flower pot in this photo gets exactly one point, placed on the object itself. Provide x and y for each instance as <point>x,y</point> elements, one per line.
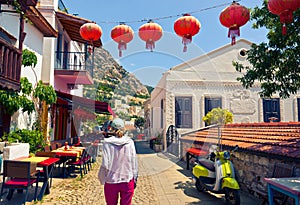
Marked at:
<point>158,147</point>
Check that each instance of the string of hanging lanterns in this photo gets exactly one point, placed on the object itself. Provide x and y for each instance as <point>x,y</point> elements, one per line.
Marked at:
<point>150,32</point>
<point>284,9</point>
<point>122,34</point>
<point>233,17</point>
<point>186,27</point>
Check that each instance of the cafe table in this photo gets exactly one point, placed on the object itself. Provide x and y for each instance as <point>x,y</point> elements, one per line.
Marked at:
<point>47,163</point>
<point>68,154</point>
<point>288,186</point>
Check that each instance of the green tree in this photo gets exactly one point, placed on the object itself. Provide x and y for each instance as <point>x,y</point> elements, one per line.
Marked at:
<point>28,99</point>
<point>139,122</point>
<point>218,116</point>
<point>275,65</point>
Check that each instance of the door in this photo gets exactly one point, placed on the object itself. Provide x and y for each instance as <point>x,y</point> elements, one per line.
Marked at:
<point>271,109</point>
<point>172,140</point>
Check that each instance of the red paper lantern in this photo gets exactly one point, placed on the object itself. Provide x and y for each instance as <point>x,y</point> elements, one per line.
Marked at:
<point>284,9</point>
<point>233,17</point>
<point>186,27</point>
<point>90,32</point>
<point>122,34</point>
<point>150,32</point>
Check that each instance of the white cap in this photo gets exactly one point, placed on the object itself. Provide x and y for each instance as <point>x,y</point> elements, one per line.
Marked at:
<point>117,123</point>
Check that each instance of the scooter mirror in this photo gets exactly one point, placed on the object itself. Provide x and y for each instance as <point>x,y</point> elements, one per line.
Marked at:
<point>236,148</point>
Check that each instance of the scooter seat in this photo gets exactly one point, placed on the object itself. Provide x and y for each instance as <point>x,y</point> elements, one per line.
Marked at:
<point>207,164</point>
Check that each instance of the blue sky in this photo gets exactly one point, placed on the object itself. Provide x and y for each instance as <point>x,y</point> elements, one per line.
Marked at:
<point>148,66</point>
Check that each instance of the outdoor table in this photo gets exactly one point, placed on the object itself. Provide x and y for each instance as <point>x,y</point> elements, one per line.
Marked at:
<point>47,164</point>
<point>66,154</point>
<point>70,152</point>
<point>288,186</point>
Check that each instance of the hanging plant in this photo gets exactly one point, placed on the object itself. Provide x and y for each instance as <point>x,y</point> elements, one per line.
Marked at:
<point>29,58</point>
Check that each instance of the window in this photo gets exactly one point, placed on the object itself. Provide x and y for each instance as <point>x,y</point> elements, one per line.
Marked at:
<point>59,47</point>
<point>271,109</point>
<point>65,54</point>
<point>152,117</point>
<point>183,112</point>
<point>298,106</point>
<point>162,114</point>
<point>211,103</point>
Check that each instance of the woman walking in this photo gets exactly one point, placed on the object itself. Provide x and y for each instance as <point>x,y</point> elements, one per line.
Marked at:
<point>119,169</point>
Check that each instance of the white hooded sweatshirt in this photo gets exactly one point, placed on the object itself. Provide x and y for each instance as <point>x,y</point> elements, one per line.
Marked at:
<point>119,161</point>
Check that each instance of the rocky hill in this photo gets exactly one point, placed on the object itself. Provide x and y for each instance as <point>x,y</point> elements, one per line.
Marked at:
<point>111,79</point>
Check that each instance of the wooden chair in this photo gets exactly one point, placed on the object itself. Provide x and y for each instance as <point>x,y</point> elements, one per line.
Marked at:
<point>47,148</point>
<point>58,145</point>
<point>280,170</point>
<point>44,154</point>
<point>19,175</point>
<point>79,163</point>
<point>87,158</point>
<point>53,146</point>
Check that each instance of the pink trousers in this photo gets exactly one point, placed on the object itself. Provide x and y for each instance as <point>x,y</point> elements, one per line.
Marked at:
<point>126,190</point>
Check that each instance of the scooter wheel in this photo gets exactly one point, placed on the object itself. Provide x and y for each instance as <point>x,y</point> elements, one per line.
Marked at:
<point>232,197</point>
<point>199,186</point>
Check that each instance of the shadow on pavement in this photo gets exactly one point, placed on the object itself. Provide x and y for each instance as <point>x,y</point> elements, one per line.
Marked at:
<point>143,147</point>
<point>204,197</point>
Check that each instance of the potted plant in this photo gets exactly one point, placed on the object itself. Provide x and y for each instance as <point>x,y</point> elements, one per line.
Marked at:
<point>158,146</point>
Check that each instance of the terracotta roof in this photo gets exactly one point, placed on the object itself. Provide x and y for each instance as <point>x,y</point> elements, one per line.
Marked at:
<point>280,139</point>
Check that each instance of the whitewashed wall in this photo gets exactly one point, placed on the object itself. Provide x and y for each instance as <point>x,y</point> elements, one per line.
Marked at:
<point>213,75</point>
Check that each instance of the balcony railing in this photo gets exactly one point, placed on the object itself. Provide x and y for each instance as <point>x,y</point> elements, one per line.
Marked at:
<point>62,7</point>
<point>79,61</point>
<point>10,65</point>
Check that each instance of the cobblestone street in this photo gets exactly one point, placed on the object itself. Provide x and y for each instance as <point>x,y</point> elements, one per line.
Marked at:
<point>163,180</point>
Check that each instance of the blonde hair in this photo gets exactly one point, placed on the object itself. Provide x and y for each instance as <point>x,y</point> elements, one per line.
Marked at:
<point>119,133</point>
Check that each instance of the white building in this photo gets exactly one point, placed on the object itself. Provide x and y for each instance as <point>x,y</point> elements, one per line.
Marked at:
<point>36,29</point>
<point>62,61</point>
<point>188,91</point>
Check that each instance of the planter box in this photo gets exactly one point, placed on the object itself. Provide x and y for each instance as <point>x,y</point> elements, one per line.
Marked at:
<point>158,147</point>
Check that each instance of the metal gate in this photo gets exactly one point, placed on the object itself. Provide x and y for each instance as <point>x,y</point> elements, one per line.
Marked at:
<point>172,140</point>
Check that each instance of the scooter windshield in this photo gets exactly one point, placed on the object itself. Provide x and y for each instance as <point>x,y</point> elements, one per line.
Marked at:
<point>212,140</point>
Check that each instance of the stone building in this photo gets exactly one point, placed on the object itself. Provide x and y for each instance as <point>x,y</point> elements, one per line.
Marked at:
<point>188,91</point>
<point>261,146</point>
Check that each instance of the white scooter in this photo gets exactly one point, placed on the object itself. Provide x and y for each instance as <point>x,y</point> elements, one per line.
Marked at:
<point>216,174</point>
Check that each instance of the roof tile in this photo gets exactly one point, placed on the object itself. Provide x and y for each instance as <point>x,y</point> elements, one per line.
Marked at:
<point>279,138</point>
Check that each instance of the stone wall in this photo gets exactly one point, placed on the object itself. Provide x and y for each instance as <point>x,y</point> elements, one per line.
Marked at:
<point>251,169</point>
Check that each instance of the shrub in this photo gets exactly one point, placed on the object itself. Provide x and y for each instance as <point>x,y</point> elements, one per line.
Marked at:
<point>33,137</point>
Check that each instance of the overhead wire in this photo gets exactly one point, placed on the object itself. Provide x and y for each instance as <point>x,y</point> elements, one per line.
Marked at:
<point>166,17</point>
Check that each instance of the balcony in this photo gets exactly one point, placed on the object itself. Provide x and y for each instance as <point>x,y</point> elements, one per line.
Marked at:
<point>10,66</point>
<point>74,68</point>
<point>23,3</point>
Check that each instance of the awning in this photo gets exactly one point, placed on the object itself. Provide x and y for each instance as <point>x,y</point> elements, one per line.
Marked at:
<point>74,77</point>
<point>84,114</point>
<point>93,105</point>
<point>72,24</point>
<point>40,22</point>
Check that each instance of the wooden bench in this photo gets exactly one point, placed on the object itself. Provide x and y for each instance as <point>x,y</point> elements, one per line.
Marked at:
<point>193,153</point>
